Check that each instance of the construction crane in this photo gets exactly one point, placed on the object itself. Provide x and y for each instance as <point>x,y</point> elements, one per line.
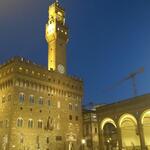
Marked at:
<point>132,77</point>
<point>89,105</point>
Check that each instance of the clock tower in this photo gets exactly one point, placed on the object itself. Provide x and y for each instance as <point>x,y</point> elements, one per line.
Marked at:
<point>57,38</point>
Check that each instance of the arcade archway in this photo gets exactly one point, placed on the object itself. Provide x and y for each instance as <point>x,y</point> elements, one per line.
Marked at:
<point>109,131</point>
<point>129,132</point>
<point>145,120</point>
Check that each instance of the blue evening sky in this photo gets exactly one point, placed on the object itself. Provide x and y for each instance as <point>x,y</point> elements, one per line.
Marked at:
<point>108,40</point>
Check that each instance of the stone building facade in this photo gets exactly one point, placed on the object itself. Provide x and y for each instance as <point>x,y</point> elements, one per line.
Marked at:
<point>125,125</point>
<point>90,129</point>
<point>40,108</point>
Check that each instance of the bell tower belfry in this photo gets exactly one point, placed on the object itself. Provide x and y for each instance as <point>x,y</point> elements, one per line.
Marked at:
<point>57,38</point>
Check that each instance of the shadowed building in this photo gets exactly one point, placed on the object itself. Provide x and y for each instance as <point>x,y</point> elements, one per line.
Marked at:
<point>125,124</point>
<point>40,109</point>
<point>90,129</point>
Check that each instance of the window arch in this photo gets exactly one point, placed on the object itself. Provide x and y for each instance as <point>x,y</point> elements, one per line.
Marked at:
<point>31,99</point>
<point>19,122</point>
<point>3,99</point>
<point>76,107</point>
<point>40,124</point>
<point>9,97</point>
<point>30,123</point>
<point>21,97</point>
<point>40,100</point>
<point>70,106</point>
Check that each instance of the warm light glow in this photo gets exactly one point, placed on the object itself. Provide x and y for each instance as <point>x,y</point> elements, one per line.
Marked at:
<point>60,14</point>
<point>126,117</point>
<point>50,28</point>
<point>145,113</point>
<point>83,141</point>
<point>107,120</point>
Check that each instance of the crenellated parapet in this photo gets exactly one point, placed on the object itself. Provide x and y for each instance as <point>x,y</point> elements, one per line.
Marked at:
<point>29,74</point>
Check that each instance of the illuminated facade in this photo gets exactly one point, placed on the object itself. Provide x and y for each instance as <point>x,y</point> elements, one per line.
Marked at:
<point>57,38</point>
<point>125,124</point>
<point>40,109</point>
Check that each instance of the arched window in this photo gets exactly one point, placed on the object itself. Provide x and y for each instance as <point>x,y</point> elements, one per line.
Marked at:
<point>77,118</point>
<point>19,122</point>
<point>70,117</point>
<point>9,97</point>
<point>30,123</point>
<point>3,99</point>
<point>40,124</point>
<point>70,106</point>
<point>21,97</point>
<point>41,100</point>
<point>31,99</point>
<point>47,140</point>
<point>76,107</point>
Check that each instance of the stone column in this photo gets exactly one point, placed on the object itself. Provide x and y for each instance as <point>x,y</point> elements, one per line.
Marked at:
<point>141,133</point>
<point>101,140</point>
<point>119,136</point>
<point>100,134</point>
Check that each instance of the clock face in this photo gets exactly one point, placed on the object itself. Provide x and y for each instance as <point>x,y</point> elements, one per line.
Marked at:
<point>61,69</point>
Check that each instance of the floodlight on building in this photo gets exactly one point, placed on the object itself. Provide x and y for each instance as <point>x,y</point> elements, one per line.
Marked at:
<point>83,141</point>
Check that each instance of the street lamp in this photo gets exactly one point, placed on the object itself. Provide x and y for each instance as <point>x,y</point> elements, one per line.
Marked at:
<point>83,141</point>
